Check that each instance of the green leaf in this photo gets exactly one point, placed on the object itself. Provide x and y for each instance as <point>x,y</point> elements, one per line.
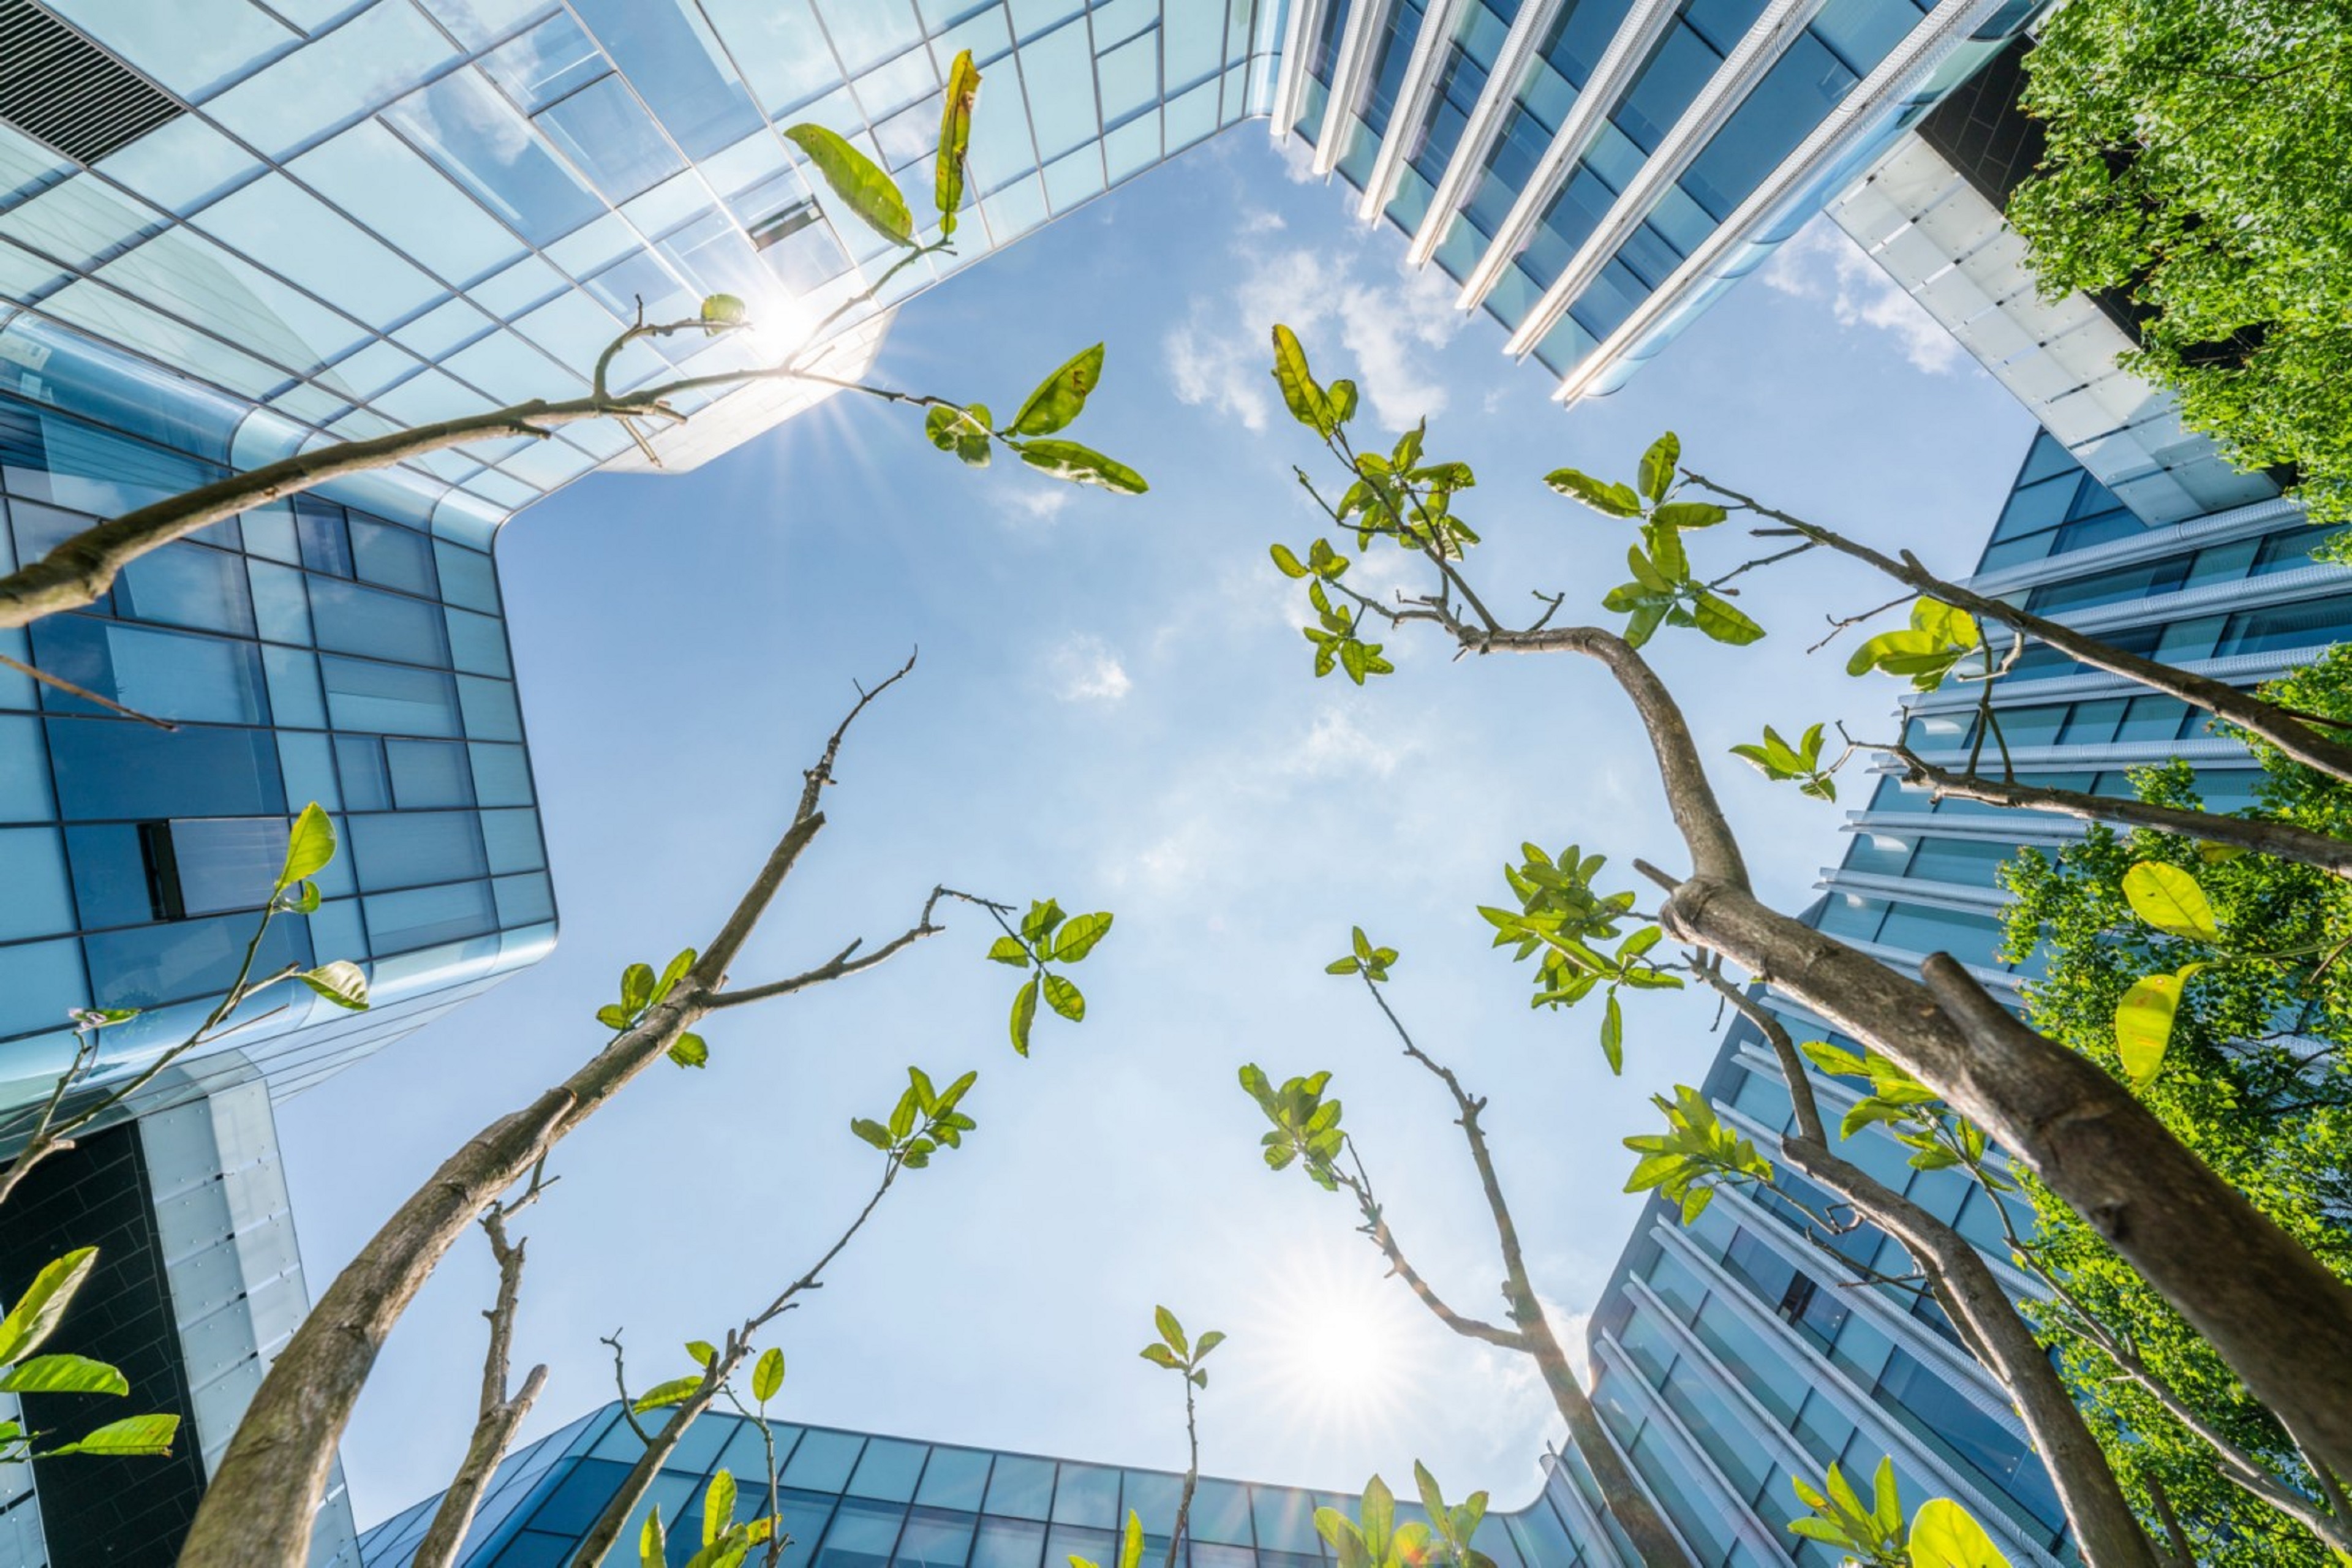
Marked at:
<point>862,186</point>
<point>1065,998</point>
<point>1612,1034</point>
<point>1943,1535</point>
<point>653,1550</point>
<point>63,1374</point>
<point>1689,514</point>
<point>1432,1499</point>
<point>1616,500</point>
<point>340,981</point>
<point>768,1375</point>
<point>873,1131</point>
<point>1130,1545</point>
<point>1170,1330</point>
<point>718,1507</point>
<point>1080,937</point>
<point>1025,1014</point>
<point>1886,1505</point>
<point>306,898</point>
<point>722,310</point>
<point>672,972</point>
<point>1343,401</point>
<point>36,1312</point>
<point>1724,621</point>
<point>614,1016</point>
<point>1158,1354</point>
<point>1061,396</point>
<point>1287,562</point>
<point>955,140</point>
<point>637,986</point>
<point>688,1051</point>
<point>135,1436</point>
<point>702,1352</point>
<point>2170,899</point>
<point>1644,621</point>
<point>1835,1061</point>
<point>1307,402</point>
<point>2144,1021</point>
<point>1208,1342</point>
<point>1009,949</point>
<point>1658,469</point>
<point>309,847</point>
<point>1082,466</point>
<point>963,431</point>
<point>663,1395</point>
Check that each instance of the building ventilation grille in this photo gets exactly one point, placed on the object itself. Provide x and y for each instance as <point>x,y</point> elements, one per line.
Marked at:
<point>64,90</point>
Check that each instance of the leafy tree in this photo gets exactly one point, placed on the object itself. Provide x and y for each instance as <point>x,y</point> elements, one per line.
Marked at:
<point>81,568</point>
<point>2195,164</point>
<point>1184,1357</point>
<point>2217,984</point>
<point>1307,1132</point>
<point>2272,1311</point>
<point>267,1485</point>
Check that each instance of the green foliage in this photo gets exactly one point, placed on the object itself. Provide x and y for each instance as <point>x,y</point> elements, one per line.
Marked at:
<point>2195,164</point>
<point>924,1122</point>
<point>1306,1125</point>
<point>720,311</point>
<point>1779,761</point>
<point>1048,936</point>
<point>725,1543</point>
<point>1663,592</point>
<point>1695,1154</point>
<point>1561,918</point>
<point>963,431</point>
<point>1061,396</point>
<point>641,992</point>
<point>1363,957</point>
<point>955,140</point>
<point>857,181</point>
<point>1939,1139</point>
<point>1377,1539</point>
<point>1178,1354</point>
<point>28,1325</point>
<point>1871,1533</point>
<point>2255,1082</point>
<point>1926,651</point>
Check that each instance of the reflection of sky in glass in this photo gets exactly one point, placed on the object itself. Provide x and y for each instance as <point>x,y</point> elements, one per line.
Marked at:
<point>479,141</point>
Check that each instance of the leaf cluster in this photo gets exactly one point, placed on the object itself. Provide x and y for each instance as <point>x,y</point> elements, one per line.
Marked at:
<point>1695,1154</point>
<point>924,1122</point>
<point>1926,651</point>
<point>1871,1535</point>
<point>1046,937</point>
<point>1306,1125</point>
<point>1378,1538</point>
<point>1362,958</point>
<point>1914,1114</point>
<point>1178,1354</point>
<point>28,1326</point>
<point>1662,591</point>
<point>1779,761</point>
<point>642,991</point>
<point>1559,921</point>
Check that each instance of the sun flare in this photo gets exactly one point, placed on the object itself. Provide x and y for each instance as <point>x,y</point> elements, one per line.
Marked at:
<point>1339,1344</point>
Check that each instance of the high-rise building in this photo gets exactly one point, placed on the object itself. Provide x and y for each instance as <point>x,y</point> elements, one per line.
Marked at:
<point>851,1501</point>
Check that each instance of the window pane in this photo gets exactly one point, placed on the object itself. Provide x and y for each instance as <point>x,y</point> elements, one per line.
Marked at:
<point>394,557</point>
<point>888,1470</point>
<point>113,770</point>
<point>398,922</point>
<point>388,700</point>
<point>186,585</point>
<point>147,967</point>
<point>934,1538</point>
<point>428,773</point>
<point>862,1535</point>
<point>955,1477</point>
<point>349,618</point>
<point>227,863</point>
<point>1006,1542</point>
<point>403,850</point>
<point>1089,1497</point>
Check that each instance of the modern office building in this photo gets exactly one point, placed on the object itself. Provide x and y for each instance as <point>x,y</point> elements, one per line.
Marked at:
<point>851,1501</point>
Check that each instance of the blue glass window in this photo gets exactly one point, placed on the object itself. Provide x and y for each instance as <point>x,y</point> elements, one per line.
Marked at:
<point>523,900</point>
<point>862,1535</point>
<point>1000,1543</point>
<point>348,618</point>
<point>40,982</point>
<point>389,699</point>
<point>166,675</point>
<point>403,850</point>
<point>186,585</point>
<point>147,967</point>
<point>110,876</point>
<point>468,577</point>
<point>39,902</point>
<point>219,864</point>
<point>955,1477</point>
<point>1022,1488</point>
<point>478,139</point>
<point>934,1538</point>
<point>421,917</point>
<point>888,1471</point>
<point>823,1461</point>
<point>324,536</point>
<point>113,770</point>
<point>392,557</point>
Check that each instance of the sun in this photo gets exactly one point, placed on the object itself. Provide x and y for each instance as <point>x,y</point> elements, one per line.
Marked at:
<point>1336,1345</point>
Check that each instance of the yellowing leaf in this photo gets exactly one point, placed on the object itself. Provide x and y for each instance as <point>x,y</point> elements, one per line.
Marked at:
<point>2144,1021</point>
<point>955,138</point>
<point>2170,899</point>
<point>1943,1535</point>
<point>860,183</point>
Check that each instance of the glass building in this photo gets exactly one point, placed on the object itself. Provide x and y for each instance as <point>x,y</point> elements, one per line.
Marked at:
<point>852,1500</point>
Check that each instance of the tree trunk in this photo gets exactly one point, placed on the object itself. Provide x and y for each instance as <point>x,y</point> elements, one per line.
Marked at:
<point>2272,1310</point>
<point>1623,1499</point>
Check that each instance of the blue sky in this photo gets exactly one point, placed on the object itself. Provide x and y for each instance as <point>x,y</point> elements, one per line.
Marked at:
<point>1114,707</point>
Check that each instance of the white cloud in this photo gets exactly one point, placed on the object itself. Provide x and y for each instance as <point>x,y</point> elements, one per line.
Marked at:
<point>1822,262</point>
<point>1386,324</point>
<point>1336,746</point>
<point>1262,223</point>
<point>1032,509</point>
<point>1087,670</point>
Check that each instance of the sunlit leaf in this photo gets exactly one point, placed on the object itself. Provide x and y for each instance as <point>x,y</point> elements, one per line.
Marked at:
<point>860,183</point>
<point>955,140</point>
<point>2171,901</point>
<point>1061,396</point>
<point>45,1300</point>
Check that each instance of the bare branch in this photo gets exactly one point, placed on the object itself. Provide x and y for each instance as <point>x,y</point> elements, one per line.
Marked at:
<point>842,964</point>
<point>85,693</point>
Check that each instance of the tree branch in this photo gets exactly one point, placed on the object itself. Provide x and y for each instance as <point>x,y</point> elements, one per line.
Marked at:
<point>85,693</point>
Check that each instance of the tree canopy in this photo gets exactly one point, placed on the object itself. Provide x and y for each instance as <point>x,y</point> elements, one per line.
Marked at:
<point>2195,164</point>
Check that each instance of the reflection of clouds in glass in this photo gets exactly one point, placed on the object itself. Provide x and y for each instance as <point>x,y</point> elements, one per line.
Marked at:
<point>545,63</point>
<point>478,139</point>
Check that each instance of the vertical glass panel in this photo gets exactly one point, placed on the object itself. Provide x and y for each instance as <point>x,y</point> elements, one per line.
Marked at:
<point>501,774</point>
<point>955,1477</point>
<point>166,675</point>
<point>1020,1487</point>
<point>468,577</point>
<point>823,1461</point>
<point>888,1471</point>
<point>421,917</point>
<point>39,902</point>
<point>428,773</point>
<point>294,695</point>
<point>405,849</point>
<point>934,1538</point>
<point>110,876</point>
<point>282,603</point>
<point>325,539</point>
<point>477,644</point>
<point>308,762</point>
<point>1286,1520</point>
<point>1065,1542</point>
<point>1221,1512</point>
<point>40,982</point>
<point>225,863</point>
<point>864,1531</point>
<point>1087,1496</point>
<point>392,557</point>
<point>366,785</point>
<point>490,709</point>
<point>24,770</point>
<point>348,618</point>
<point>524,901</point>
<point>1152,1497</point>
<point>186,585</point>
<point>605,132</point>
<point>1000,1543</point>
<point>479,140</point>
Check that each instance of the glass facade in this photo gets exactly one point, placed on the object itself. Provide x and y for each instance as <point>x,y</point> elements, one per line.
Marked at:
<point>1734,1354</point>
<point>853,1500</point>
